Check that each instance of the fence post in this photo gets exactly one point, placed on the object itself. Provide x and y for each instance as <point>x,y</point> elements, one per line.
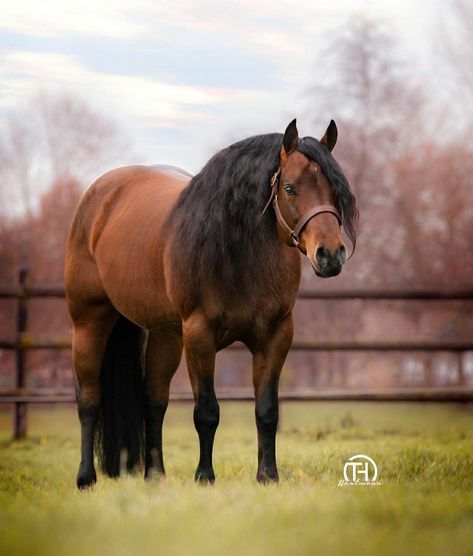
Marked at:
<point>19,431</point>
<point>461,368</point>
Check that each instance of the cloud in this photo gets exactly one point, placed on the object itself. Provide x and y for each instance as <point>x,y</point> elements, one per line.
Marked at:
<point>238,44</point>
<point>140,103</point>
<point>22,73</point>
<point>201,72</point>
<point>135,18</point>
<point>55,18</point>
<point>274,26</point>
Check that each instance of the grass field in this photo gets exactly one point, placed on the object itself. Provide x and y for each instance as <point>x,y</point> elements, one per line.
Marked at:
<point>424,505</point>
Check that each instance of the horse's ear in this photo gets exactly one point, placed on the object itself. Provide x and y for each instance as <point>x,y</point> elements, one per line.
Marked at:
<point>291,137</point>
<point>330,137</point>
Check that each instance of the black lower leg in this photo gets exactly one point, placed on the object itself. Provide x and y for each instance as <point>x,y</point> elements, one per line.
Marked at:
<point>266,411</point>
<point>88,416</point>
<point>206,419</point>
<point>154,439</point>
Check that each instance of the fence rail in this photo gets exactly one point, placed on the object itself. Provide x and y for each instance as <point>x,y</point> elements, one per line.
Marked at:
<point>58,291</point>
<point>27,342</point>
<point>20,396</point>
<point>67,395</point>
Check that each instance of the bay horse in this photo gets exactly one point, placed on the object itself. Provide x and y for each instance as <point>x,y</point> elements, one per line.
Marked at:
<point>159,261</point>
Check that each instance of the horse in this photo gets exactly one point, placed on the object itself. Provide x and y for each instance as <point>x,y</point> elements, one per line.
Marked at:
<point>159,262</point>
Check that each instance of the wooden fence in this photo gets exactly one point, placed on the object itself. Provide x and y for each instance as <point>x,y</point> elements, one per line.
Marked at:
<point>20,396</point>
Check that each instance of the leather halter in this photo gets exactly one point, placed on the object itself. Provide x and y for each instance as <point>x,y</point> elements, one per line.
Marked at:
<point>294,233</point>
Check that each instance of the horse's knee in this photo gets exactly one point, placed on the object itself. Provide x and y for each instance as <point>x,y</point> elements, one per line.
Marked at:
<point>206,412</point>
<point>267,413</point>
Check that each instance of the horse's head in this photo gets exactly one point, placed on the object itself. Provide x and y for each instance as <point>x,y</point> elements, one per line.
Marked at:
<point>309,207</point>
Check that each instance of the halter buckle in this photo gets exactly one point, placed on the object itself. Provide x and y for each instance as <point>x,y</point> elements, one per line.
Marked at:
<point>295,239</point>
<point>275,177</point>
<point>274,190</point>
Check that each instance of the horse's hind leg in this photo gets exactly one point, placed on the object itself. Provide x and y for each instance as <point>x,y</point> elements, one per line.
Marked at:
<point>163,355</point>
<point>92,325</point>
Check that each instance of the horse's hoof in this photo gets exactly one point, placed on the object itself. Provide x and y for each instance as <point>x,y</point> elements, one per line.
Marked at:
<point>86,479</point>
<point>153,474</point>
<point>205,477</point>
<point>265,476</point>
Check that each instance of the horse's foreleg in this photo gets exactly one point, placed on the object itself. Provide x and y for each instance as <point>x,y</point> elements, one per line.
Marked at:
<point>89,344</point>
<point>199,346</point>
<point>163,355</point>
<point>267,364</point>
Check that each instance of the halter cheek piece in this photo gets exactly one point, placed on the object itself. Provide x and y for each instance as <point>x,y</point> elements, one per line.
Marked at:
<point>294,233</point>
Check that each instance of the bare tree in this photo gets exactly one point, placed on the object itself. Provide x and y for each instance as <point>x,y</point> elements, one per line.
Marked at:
<point>380,111</point>
<point>372,94</point>
<point>50,150</point>
<point>413,187</point>
<point>54,137</point>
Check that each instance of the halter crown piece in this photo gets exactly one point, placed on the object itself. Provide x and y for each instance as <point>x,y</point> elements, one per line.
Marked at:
<point>294,233</point>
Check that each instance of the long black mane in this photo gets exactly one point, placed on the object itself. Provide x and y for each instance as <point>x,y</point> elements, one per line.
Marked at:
<point>217,231</point>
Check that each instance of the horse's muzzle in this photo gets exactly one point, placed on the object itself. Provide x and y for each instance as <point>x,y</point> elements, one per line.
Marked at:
<point>328,263</point>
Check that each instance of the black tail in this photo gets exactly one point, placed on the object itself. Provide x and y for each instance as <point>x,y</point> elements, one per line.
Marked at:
<point>120,429</point>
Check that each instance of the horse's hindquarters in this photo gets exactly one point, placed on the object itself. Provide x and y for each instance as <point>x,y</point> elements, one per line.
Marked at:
<point>119,230</point>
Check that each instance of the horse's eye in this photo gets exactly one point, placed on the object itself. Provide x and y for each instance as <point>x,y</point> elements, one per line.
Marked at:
<point>289,189</point>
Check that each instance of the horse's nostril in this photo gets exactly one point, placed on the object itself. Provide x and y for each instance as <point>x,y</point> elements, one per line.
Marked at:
<point>322,256</point>
<point>342,253</point>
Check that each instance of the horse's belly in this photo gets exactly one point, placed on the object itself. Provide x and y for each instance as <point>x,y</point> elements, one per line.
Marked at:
<point>134,284</point>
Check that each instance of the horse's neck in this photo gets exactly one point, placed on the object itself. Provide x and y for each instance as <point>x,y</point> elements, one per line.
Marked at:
<point>276,277</point>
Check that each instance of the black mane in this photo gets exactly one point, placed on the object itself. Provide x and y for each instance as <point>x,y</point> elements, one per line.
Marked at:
<point>217,231</point>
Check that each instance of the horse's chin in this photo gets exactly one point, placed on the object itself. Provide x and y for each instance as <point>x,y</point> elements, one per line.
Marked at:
<point>329,273</point>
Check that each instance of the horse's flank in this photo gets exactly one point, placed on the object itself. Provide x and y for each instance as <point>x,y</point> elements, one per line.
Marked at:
<point>127,207</point>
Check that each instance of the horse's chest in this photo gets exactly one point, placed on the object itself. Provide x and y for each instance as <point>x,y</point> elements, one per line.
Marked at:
<point>248,322</point>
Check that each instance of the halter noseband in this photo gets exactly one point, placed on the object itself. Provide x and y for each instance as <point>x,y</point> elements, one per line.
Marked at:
<point>294,233</point>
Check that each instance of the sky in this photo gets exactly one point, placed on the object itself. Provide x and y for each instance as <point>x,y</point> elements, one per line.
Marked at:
<point>185,78</point>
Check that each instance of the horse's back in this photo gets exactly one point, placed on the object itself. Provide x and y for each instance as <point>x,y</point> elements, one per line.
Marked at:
<point>117,239</point>
<point>170,170</point>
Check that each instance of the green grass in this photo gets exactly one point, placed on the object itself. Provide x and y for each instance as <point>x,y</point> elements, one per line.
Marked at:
<point>424,506</point>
